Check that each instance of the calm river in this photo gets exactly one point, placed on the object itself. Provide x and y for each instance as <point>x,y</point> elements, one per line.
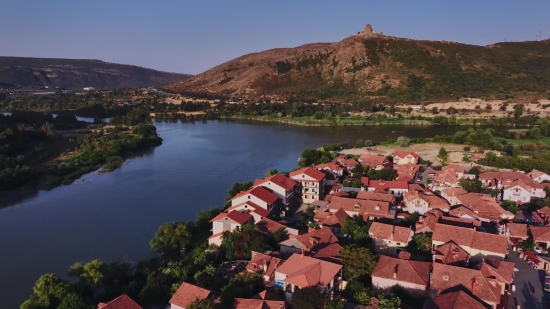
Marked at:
<point>117,213</point>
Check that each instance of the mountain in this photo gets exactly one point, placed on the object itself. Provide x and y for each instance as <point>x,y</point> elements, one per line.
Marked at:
<point>374,65</point>
<point>78,73</point>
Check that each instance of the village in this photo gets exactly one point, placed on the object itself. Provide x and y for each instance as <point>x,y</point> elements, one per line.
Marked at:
<point>474,256</point>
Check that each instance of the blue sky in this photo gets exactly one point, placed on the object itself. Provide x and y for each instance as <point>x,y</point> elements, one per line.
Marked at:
<point>189,36</point>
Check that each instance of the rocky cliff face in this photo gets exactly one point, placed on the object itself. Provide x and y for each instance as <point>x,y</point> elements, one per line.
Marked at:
<point>77,73</point>
<point>373,65</point>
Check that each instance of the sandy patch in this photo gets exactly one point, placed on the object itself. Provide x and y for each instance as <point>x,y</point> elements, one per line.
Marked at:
<point>427,151</point>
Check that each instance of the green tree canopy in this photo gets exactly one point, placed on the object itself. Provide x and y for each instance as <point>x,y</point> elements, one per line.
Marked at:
<point>171,237</point>
<point>357,261</point>
<point>242,286</point>
<point>201,304</point>
<point>403,141</point>
<point>271,172</point>
<point>421,243</point>
<point>91,274</point>
<point>389,301</point>
<point>308,298</point>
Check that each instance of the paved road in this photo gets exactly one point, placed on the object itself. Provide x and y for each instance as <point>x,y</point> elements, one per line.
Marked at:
<point>524,279</point>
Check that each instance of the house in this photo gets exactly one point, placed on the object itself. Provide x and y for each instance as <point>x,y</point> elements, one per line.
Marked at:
<point>460,222</point>
<point>453,300</point>
<point>451,254</point>
<point>463,212</point>
<point>397,187</point>
<point>413,276</point>
<point>245,303</point>
<point>364,208</point>
<point>254,209</point>
<point>451,195</point>
<point>348,163</point>
<point>375,162</point>
<point>301,271</point>
<point>421,201</point>
<point>402,158</point>
<point>280,185</point>
<point>427,223</point>
<point>376,196</point>
<point>260,196</point>
<point>321,244</point>
<point>263,264</point>
<point>485,207</point>
<point>227,222</point>
<point>445,179</point>
<point>332,220</point>
<point>541,236</point>
<point>407,171</point>
<point>538,176</point>
<point>503,271</point>
<point>516,230</point>
<point>331,167</point>
<point>268,226</point>
<point>121,302</point>
<point>390,239</point>
<point>514,186</point>
<point>187,293</point>
<point>449,278</point>
<point>455,169</point>
<point>478,245</point>
<point>311,184</point>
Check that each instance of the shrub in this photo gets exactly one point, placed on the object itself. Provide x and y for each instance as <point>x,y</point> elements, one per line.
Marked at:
<point>403,141</point>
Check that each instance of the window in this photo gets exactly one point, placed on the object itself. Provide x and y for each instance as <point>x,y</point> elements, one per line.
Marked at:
<point>399,244</point>
<point>249,197</point>
<point>356,206</point>
<point>376,207</point>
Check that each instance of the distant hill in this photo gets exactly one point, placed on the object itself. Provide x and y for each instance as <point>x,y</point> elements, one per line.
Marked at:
<point>78,73</point>
<point>375,66</point>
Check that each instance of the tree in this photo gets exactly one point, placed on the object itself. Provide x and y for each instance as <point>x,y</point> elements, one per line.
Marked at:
<point>369,143</point>
<point>357,261</point>
<point>389,301</point>
<point>421,243</point>
<point>91,274</point>
<point>171,237</point>
<point>510,206</point>
<point>475,170</point>
<point>527,245</point>
<point>443,154</point>
<point>238,187</point>
<point>359,143</point>
<point>435,110</point>
<point>271,172</point>
<point>74,301</point>
<point>357,291</point>
<point>403,141</point>
<point>201,304</point>
<point>49,291</point>
<point>205,276</point>
<point>308,298</point>
<point>334,304</point>
<point>471,185</point>
<point>242,286</point>
<point>518,110</point>
<point>357,228</point>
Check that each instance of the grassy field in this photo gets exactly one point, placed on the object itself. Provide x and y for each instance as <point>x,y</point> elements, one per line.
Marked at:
<point>544,140</point>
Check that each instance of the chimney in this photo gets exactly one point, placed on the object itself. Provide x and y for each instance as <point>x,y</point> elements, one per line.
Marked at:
<point>395,271</point>
<point>474,286</point>
<point>302,252</point>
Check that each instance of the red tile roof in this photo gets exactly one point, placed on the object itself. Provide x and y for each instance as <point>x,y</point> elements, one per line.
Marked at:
<point>540,233</point>
<point>454,300</point>
<point>121,302</point>
<point>261,193</point>
<point>376,209</point>
<point>235,215</point>
<point>414,272</point>
<point>267,225</point>
<point>329,219</point>
<point>313,240</point>
<point>266,263</point>
<point>384,184</point>
<point>375,196</point>
<point>305,271</point>
<point>433,200</point>
<point>471,238</point>
<point>308,171</point>
<point>545,211</point>
<point>278,179</point>
<point>187,293</point>
<point>517,229</point>
<point>485,206</point>
<point>402,154</point>
<point>452,254</point>
<point>243,303</point>
<point>454,192</point>
<point>331,166</point>
<point>349,163</point>
<point>409,170</point>
<point>461,210</point>
<point>447,277</point>
<point>391,232</point>
<point>428,222</point>
<point>248,205</point>
<point>501,270</point>
<point>373,160</point>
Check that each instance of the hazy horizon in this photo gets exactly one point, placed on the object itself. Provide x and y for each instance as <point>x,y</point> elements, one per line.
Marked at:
<point>191,37</point>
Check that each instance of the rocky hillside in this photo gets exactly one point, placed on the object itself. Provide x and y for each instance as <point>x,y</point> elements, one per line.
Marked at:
<point>78,73</point>
<point>371,65</point>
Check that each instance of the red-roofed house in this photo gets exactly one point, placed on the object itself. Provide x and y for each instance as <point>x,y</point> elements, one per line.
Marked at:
<point>538,176</point>
<point>304,271</point>
<point>413,276</point>
<point>374,162</point>
<point>261,196</point>
<point>515,186</point>
<point>332,221</point>
<point>478,244</point>
<point>254,209</point>
<point>321,244</point>
<point>407,171</point>
<point>453,300</point>
<point>228,222</point>
<point>390,239</point>
<point>268,226</point>
<point>187,293</point>
<point>541,236</point>
<point>365,208</point>
<point>311,184</point>
<point>402,157</point>
<point>421,201</point>
<point>263,264</point>
<point>121,302</point>
<point>348,163</point>
<point>397,188</point>
<point>485,207</point>
<point>331,167</point>
<point>451,195</point>
<point>280,185</point>
<point>247,303</point>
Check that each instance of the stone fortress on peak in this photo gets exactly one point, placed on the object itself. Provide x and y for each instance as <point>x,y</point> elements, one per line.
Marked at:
<point>369,32</point>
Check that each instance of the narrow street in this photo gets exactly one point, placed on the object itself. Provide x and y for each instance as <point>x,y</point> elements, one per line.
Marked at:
<point>523,280</point>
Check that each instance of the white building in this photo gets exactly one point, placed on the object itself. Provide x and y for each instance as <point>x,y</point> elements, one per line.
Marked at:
<point>311,184</point>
